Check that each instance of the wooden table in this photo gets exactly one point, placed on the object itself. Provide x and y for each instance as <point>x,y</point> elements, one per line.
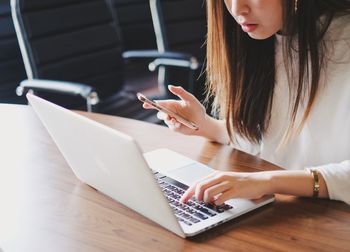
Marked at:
<point>45,208</point>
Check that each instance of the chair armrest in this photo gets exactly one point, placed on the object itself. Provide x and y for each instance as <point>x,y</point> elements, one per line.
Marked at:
<point>63,87</point>
<point>169,58</point>
<point>154,54</point>
<point>192,64</point>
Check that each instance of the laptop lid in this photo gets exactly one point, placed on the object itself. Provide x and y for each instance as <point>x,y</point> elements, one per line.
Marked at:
<point>110,161</point>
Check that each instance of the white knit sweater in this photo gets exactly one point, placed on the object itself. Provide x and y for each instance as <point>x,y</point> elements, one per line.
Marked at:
<point>324,142</point>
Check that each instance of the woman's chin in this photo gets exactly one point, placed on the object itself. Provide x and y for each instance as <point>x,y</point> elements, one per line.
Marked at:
<point>259,36</point>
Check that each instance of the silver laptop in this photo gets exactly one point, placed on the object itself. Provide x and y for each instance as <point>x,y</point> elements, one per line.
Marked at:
<point>150,184</point>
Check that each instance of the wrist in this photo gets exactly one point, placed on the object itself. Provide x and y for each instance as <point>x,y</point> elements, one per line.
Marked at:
<point>215,130</point>
<point>265,182</point>
<point>275,185</point>
<point>276,181</point>
<point>295,182</point>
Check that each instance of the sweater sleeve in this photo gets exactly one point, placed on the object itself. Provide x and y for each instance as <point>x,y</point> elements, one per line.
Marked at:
<point>337,178</point>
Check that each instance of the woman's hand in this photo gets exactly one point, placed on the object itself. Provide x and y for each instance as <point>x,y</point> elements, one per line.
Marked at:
<point>220,186</point>
<point>188,106</point>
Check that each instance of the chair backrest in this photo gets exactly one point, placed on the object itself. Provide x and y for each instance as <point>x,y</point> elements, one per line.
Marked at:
<point>70,40</point>
<point>135,22</point>
<point>11,64</point>
<point>183,27</point>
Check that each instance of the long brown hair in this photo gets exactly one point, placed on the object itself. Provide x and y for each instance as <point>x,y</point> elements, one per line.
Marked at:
<point>241,70</point>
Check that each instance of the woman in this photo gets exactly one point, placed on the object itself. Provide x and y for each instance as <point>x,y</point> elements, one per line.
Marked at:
<point>278,72</point>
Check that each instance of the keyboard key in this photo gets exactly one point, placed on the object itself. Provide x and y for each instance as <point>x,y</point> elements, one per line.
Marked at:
<point>215,208</point>
<point>227,207</point>
<point>220,209</point>
<point>201,216</point>
<point>194,220</point>
<point>184,221</point>
<point>205,210</point>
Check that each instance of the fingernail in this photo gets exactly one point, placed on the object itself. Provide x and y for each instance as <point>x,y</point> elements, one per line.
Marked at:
<point>170,86</point>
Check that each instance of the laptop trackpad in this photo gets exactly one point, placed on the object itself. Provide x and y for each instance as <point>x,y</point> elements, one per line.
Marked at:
<point>190,173</point>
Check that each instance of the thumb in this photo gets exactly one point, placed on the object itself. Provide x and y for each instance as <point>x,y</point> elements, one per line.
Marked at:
<point>181,93</point>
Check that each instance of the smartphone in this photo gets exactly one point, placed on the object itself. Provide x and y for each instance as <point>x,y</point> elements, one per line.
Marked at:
<point>178,117</point>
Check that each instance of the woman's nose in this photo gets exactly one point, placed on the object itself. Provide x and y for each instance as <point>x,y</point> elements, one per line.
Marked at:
<point>239,8</point>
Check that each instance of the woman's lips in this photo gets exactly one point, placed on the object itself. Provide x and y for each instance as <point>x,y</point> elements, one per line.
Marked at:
<point>249,27</point>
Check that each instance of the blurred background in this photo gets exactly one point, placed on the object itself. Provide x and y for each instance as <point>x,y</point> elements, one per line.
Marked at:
<point>95,55</point>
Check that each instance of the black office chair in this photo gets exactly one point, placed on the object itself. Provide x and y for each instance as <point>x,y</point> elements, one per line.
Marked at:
<point>11,64</point>
<point>181,26</point>
<point>76,45</point>
<point>136,21</point>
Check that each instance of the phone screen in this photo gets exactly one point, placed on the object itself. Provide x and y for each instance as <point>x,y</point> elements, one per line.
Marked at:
<point>178,117</point>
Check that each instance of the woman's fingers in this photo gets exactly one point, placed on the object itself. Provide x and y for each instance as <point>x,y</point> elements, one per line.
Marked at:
<point>163,116</point>
<point>229,194</point>
<point>147,106</point>
<point>210,195</point>
<point>201,187</point>
<point>181,93</point>
<point>188,194</point>
<point>171,122</point>
<point>192,189</point>
<point>188,107</point>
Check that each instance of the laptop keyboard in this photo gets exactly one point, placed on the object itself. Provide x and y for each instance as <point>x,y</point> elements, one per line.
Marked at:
<point>191,212</point>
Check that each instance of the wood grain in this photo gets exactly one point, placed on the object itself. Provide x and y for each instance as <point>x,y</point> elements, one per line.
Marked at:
<point>45,208</point>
